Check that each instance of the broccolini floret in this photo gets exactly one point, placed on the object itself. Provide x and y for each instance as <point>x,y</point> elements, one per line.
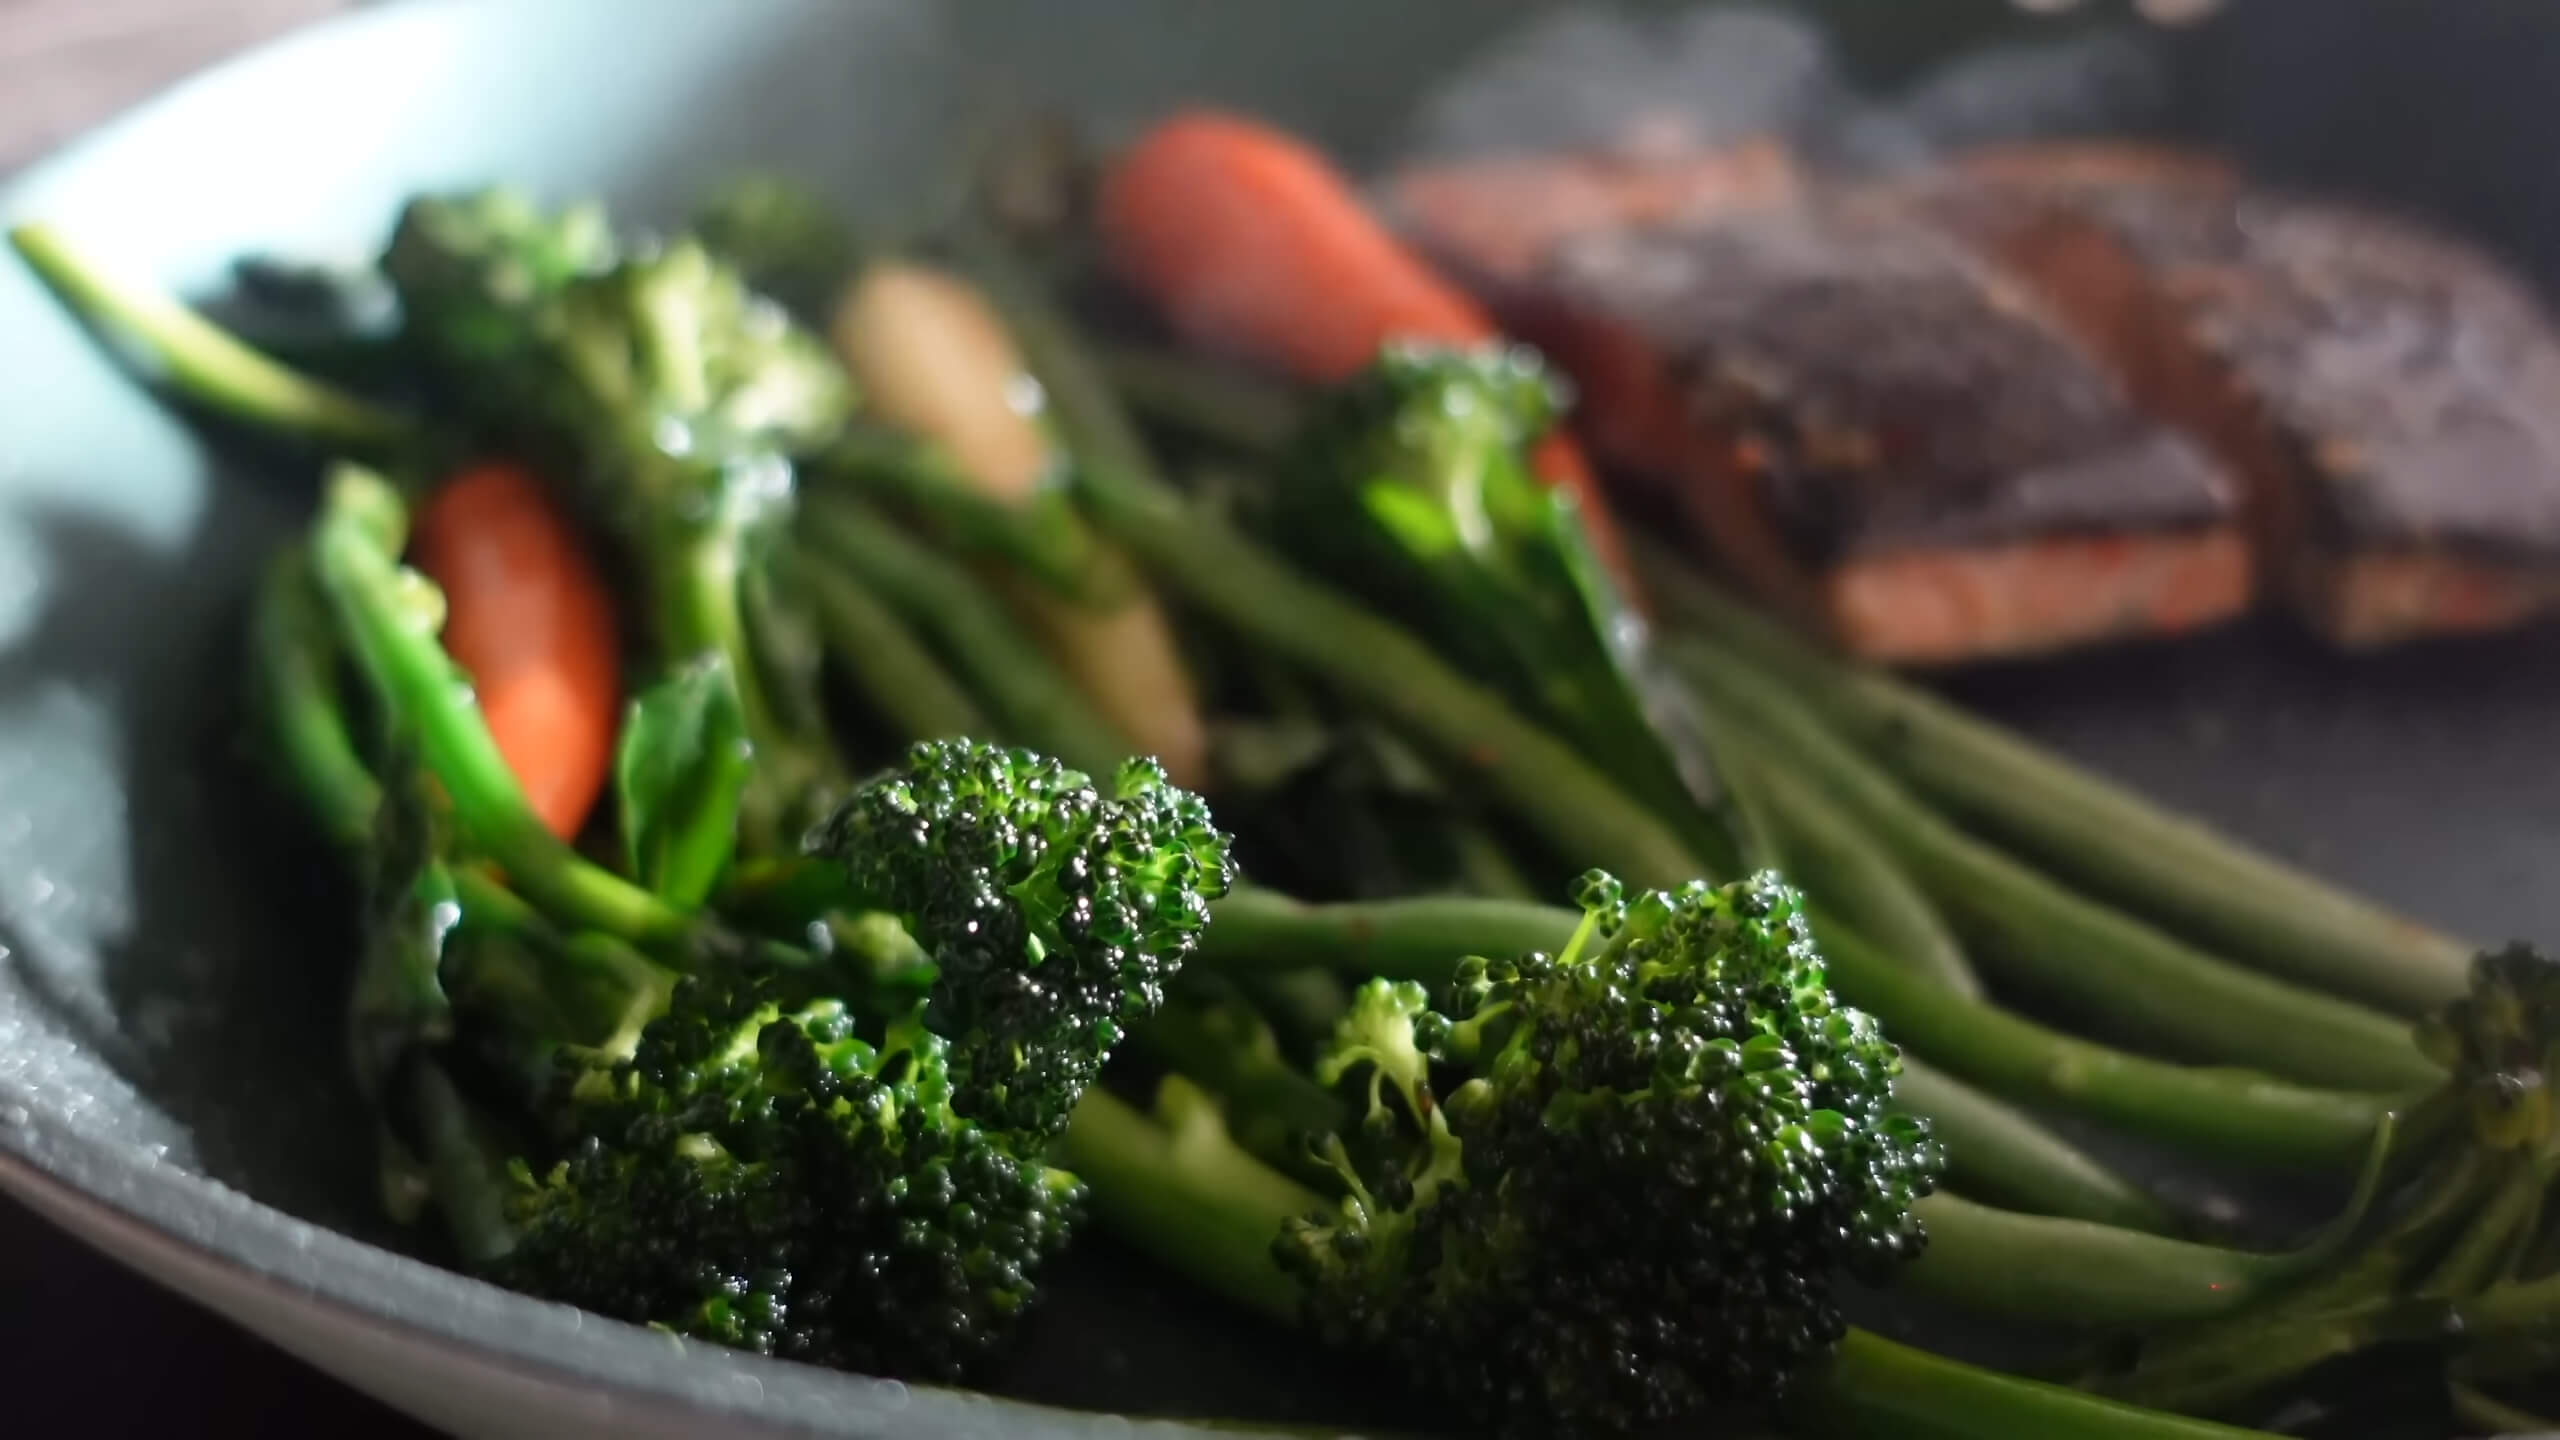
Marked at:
<point>833,1153</point>
<point>757,1173</point>
<point>1054,909</point>
<point>668,398</point>
<point>1625,1194</point>
<point>1602,1189</point>
<point>1414,484</point>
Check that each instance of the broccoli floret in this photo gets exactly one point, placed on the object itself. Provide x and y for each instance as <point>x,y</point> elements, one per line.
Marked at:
<point>467,268</point>
<point>674,388</point>
<point>783,236</point>
<point>669,399</point>
<point>1415,485</point>
<point>758,1174</point>
<point>1054,910</point>
<point>1601,1190</point>
<point>818,1153</point>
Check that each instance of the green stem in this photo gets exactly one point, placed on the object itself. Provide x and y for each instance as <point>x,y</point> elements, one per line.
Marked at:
<point>1877,1388</point>
<point>1485,865</point>
<point>292,655</point>
<point>2235,1115</point>
<point>2080,1273</point>
<point>1172,389</point>
<point>1045,537</point>
<point>1754,811</point>
<point>900,678</point>
<point>2246,1117</point>
<point>1575,807</point>
<point>2001,1155</point>
<point>464,1168</point>
<point>2223,1361</point>
<point>1857,879</point>
<point>702,610</point>
<point>1189,1197</point>
<point>2479,1252</point>
<point>1255,592</point>
<point>2492,1416</point>
<point>2522,1308</point>
<point>489,907</point>
<point>2107,964</point>
<point>2100,833</point>
<point>391,627</point>
<point>204,363</point>
<point>1034,704</point>
<point>1422,939</point>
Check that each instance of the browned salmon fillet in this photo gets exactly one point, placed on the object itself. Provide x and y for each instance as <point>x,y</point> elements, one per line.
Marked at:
<point>1877,432</point>
<point>2391,395</point>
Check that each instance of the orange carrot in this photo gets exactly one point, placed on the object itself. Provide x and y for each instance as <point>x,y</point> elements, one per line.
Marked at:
<point>1250,242</point>
<point>530,620</point>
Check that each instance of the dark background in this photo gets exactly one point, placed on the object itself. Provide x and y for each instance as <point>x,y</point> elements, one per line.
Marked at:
<point>95,1349</point>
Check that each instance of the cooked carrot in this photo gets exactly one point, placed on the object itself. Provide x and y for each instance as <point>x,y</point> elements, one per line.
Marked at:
<point>530,620</point>
<point>1250,242</point>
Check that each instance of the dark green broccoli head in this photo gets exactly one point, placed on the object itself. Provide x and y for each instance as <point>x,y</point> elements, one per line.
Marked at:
<point>2499,1041</point>
<point>1611,1188</point>
<point>1416,485</point>
<point>1055,910</point>
<point>782,236</point>
<point>1433,443</point>
<point>654,371</point>
<point>468,267</point>
<point>758,1174</point>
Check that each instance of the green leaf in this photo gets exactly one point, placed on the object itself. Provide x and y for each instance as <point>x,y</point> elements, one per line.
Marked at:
<point>398,1002</point>
<point>680,778</point>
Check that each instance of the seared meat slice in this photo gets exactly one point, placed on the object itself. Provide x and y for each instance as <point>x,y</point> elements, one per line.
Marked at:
<point>1882,435</point>
<point>2391,394</point>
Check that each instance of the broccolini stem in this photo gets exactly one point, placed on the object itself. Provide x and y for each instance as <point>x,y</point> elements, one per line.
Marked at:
<point>1877,1387</point>
<point>2518,1307</point>
<point>894,671</point>
<point>2120,971</point>
<point>391,627</point>
<point>1190,1198</point>
<point>2236,1115</point>
<point>305,726</point>
<point>1034,704</point>
<point>702,610</point>
<point>1045,537</point>
<point>1856,878</point>
<point>1171,389</point>
<point>1187,1195</point>
<point>2002,1156</point>
<point>202,362</point>
<point>1423,939</point>
<point>1579,810</point>
<point>1255,592</point>
<point>2491,1416</point>
<point>1280,1092</point>
<point>2097,832</point>
<point>2079,1273</point>
<point>463,1168</point>
<point>1484,866</point>
<point>2245,1117</point>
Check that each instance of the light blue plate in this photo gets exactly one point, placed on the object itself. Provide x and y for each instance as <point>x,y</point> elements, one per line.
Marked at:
<point>169,1081</point>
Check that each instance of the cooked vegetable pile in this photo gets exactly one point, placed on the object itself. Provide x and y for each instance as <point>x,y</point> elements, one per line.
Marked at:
<point>854,782</point>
